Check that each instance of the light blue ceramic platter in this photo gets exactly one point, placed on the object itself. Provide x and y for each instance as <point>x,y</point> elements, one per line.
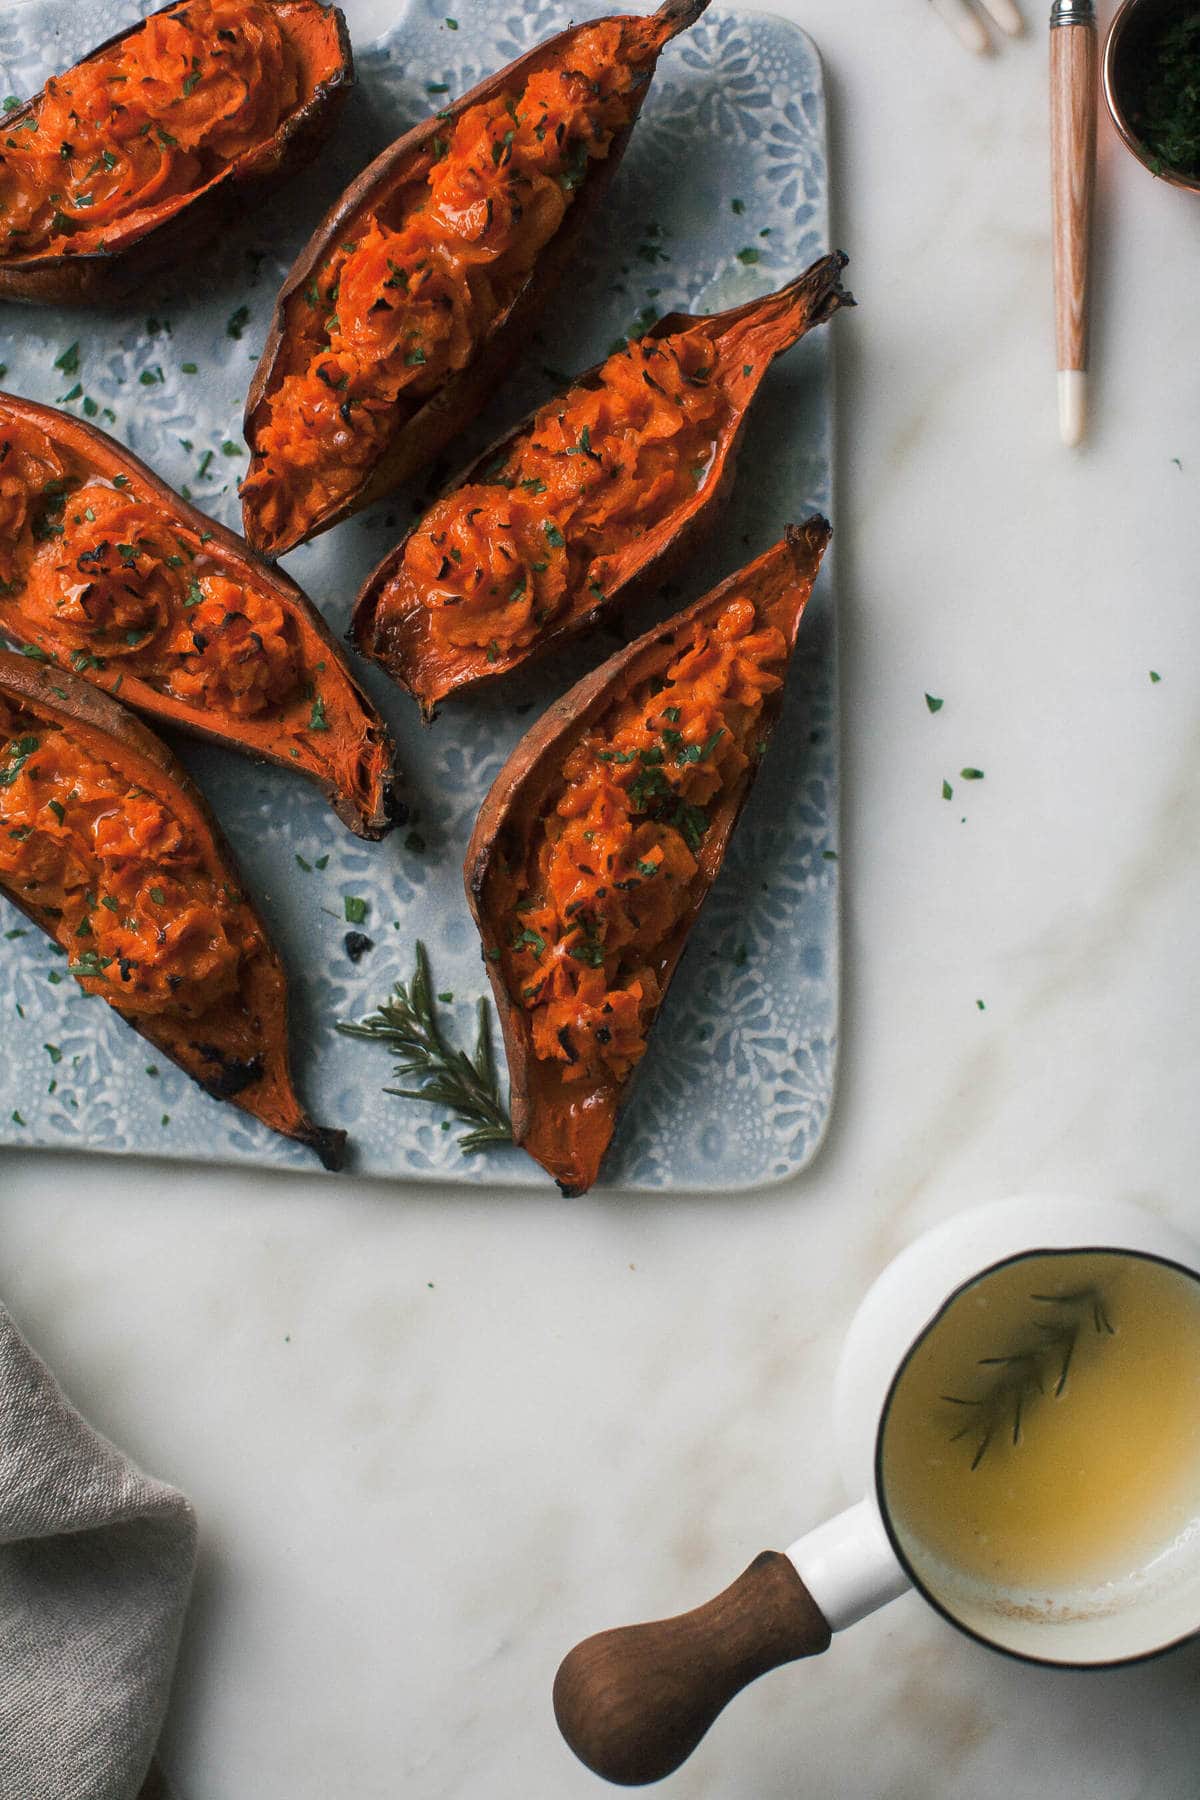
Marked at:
<point>736,1087</point>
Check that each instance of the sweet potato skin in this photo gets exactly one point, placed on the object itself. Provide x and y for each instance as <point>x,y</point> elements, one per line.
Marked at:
<point>372,816</point>
<point>463,396</point>
<point>107,276</point>
<point>570,1141</point>
<point>824,295</point>
<point>269,1095</point>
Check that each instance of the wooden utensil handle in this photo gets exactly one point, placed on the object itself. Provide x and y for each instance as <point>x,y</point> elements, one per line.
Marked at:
<point>1073,97</point>
<point>634,1703</point>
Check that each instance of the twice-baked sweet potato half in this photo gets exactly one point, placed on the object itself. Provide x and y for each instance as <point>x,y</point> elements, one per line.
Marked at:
<point>135,156</point>
<point>602,835</point>
<point>421,284</point>
<point>599,493</point>
<point>106,844</point>
<point>106,571</point>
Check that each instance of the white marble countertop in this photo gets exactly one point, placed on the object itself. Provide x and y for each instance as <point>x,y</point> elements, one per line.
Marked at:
<point>434,1439</point>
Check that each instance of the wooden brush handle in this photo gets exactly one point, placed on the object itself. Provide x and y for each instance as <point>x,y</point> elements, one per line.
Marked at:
<point>1073,91</point>
<point>634,1703</point>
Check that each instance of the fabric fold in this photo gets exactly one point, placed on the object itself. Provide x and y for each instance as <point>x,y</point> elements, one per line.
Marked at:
<point>96,1564</point>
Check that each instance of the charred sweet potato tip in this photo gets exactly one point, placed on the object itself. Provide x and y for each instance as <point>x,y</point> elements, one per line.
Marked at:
<point>602,835</point>
<point>380,352</point>
<point>131,160</point>
<point>106,570</point>
<point>108,846</point>
<point>586,503</point>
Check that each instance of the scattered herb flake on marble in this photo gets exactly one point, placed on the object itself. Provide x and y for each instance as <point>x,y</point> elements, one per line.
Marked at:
<point>947,791</point>
<point>1154,675</point>
<point>971,774</point>
<point>933,702</point>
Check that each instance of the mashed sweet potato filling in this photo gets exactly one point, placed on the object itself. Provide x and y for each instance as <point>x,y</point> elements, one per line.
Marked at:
<point>117,879</point>
<point>155,118</point>
<point>99,579</point>
<point>496,561</point>
<point>609,871</point>
<point>406,297</point>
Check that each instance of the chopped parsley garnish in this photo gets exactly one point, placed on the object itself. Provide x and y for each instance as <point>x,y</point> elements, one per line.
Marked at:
<point>748,255</point>
<point>356,909</point>
<point>694,753</point>
<point>19,753</point>
<point>554,536</point>
<point>317,720</point>
<point>158,897</point>
<point>933,703</point>
<point>947,791</point>
<point>588,950</point>
<point>971,774</point>
<point>531,939</point>
<point>691,822</point>
<point>68,362</point>
<point>90,963</point>
<point>575,169</point>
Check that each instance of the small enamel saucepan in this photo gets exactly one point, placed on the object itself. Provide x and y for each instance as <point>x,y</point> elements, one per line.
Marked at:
<point>633,1703</point>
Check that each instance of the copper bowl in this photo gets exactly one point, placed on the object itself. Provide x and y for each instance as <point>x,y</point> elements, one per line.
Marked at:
<point>1131,26</point>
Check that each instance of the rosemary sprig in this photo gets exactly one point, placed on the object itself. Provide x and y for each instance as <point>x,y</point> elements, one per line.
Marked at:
<point>407,1024</point>
<point>1024,1372</point>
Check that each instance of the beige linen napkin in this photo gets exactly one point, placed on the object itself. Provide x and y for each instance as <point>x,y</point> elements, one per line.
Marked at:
<point>96,1563</point>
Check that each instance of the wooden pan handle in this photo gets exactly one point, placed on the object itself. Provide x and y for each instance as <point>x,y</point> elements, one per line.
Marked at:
<point>634,1703</point>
